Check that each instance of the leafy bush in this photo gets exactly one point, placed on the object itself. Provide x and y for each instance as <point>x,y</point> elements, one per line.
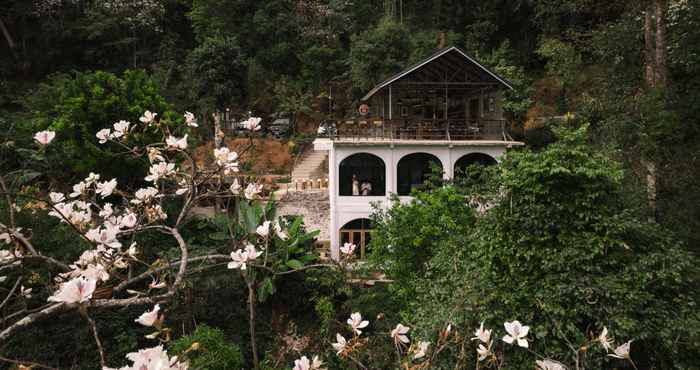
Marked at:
<point>208,349</point>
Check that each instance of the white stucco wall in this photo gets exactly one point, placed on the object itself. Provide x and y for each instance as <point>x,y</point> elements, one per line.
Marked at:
<point>347,208</point>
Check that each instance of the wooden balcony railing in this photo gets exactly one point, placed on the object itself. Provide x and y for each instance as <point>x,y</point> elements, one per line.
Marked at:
<point>451,130</point>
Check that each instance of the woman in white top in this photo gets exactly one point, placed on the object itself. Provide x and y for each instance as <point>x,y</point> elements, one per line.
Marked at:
<point>355,185</point>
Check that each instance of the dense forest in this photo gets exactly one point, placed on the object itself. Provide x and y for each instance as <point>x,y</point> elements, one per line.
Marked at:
<point>605,98</point>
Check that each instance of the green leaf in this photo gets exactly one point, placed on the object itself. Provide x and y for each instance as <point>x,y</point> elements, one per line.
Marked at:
<point>295,264</point>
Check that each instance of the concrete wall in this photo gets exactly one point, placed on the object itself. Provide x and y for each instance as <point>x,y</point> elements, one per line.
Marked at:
<point>347,208</point>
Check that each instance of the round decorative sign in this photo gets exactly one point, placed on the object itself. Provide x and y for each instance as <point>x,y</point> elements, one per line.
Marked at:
<point>363,109</point>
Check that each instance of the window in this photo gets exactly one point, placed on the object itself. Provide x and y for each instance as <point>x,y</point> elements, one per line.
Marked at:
<point>362,174</point>
<point>358,232</point>
<point>467,160</point>
<point>412,171</point>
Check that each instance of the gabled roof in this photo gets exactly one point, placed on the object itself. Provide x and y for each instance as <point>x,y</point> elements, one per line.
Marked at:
<point>439,54</point>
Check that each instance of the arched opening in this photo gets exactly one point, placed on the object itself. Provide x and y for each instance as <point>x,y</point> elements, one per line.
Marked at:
<point>362,174</point>
<point>467,160</point>
<point>412,171</point>
<point>358,232</point>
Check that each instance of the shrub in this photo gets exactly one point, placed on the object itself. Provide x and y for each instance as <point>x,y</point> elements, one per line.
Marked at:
<point>208,349</point>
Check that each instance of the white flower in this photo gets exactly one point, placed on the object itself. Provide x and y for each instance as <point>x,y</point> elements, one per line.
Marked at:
<point>56,197</point>
<point>264,229</point>
<point>160,170</point>
<point>190,119</point>
<point>145,195</point>
<point>77,290</point>
<point>348,248</point>
<point>106,236</point>
<point>226,159</point>
<point>339,347</point>
<point>604,340</point>
<point>78,189</point>
<point>148,117</point>
<point>106,211</point>
<point>622,352</point>
<point>422,349</point>
<point>121,128</point>
<point>44,137</point>
<point>235,187</point>
<point>149,318</point>
<point>252,124</point>
<point>92,178</point>
<point>26,293</point>
<point>252,190</point>
<point>549,365</point>
<point>103,135</point>
<point>516,332</point>
<point>399,334</point>
<point>106,188</point>
<point>356,323</point>
<point>129,220</point>
<point>131,251</point>
<point>482,335</point>
<point>241,258</point>
<point>95,272</point>
<point>321,130</point>
<point>483,351</point>
<point>304,364</point>
<point>177,143</point>
<point>153,359</point>
<point>279,231</point>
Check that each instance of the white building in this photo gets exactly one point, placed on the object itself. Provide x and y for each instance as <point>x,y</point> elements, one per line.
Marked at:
<point>444,111</point>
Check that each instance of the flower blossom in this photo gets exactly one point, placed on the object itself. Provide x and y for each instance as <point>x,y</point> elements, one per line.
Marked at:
<point>149,318</point>
<point>44,137</point>
<point>78,290</point>
<point>155,358</point>
<point>622,352</point>
<point>356,323</point>
<point>129,220</point>
<point>604,340</point>
<point>422,350</point>
<point>79,189</point>
<point>279,231</point>
<point>56,197</point>
<point>252,190</point>
<point>340,344</point>
<point>264,229</point>
<point>483,351</point>
<point>252,124</point>
<point>241,258</point>
<point>304,364</point>
<point>103,135</point>
<point>399,334</point>
<point>190,119</point>
<point>516,332</point>
<point>235,187</point>
<point>549,365</point>
<point>121,128</point>
<point>482,335</point>
<point>226,159</point>
<point>177,143</point>
<point>160,170</point>
<point>106,236</point>
<point>148,117</point>
<point>106,188</point>
<point>348,248</point>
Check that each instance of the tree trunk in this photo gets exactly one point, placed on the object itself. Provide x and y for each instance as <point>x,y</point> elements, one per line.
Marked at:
<point>649,63</point>
<point>650,168</point>
<point>251,322</point>
<point>8,38</point>
<point>661,52</point>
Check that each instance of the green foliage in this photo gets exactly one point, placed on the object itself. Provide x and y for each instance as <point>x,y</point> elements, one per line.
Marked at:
<point>562,58</point>
<point>78,105</point>
<point>408,236</point>
<point>217,72</point>
<point>378,53</point>
<point>207,349</point>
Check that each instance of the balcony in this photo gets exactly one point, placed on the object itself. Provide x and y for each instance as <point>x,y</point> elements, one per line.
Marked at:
<point>418,130</point>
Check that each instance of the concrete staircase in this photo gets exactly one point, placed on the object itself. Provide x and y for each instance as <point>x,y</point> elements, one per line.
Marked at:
<point>310,166</point>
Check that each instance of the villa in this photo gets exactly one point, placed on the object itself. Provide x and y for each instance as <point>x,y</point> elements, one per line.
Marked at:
<point>446,110</point>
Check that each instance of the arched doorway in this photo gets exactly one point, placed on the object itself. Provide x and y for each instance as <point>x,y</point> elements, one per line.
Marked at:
<point>467,160</point>
<point>358,232</point>
<point>412,171</point>
<point>368,171</point>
